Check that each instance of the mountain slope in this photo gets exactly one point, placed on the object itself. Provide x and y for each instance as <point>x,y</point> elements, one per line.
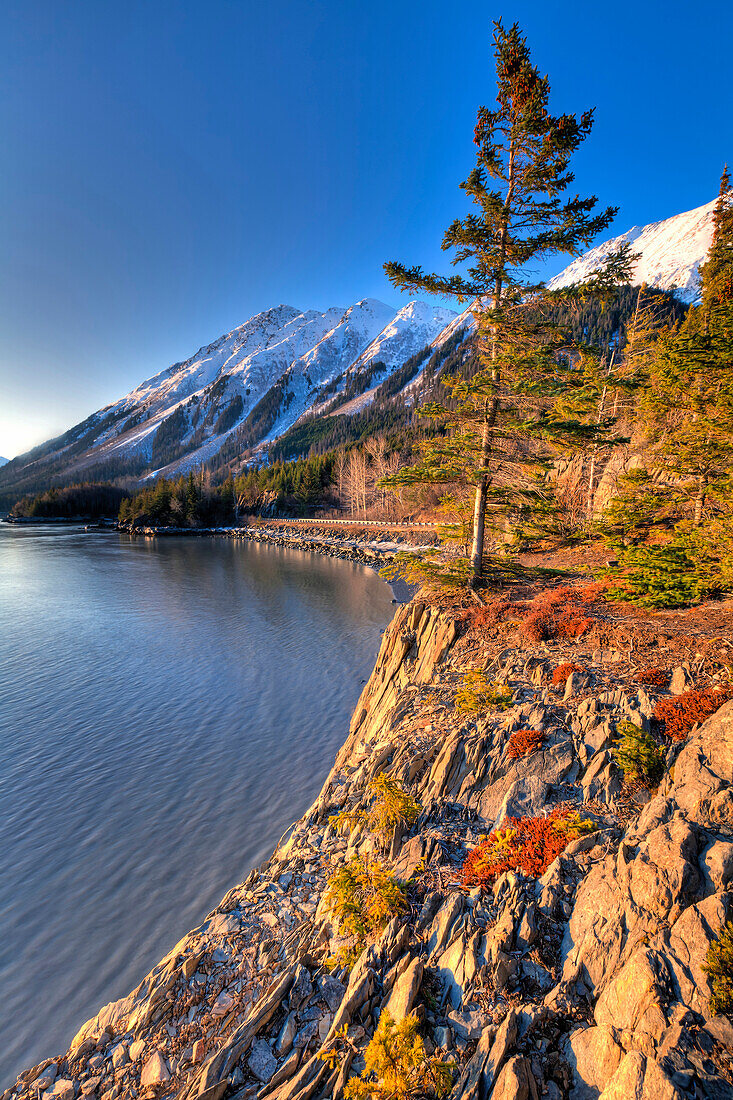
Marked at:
<point>256,380</point>
<point>670,253</point>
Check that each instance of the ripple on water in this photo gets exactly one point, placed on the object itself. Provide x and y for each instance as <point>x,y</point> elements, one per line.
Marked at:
<point>166,710</point>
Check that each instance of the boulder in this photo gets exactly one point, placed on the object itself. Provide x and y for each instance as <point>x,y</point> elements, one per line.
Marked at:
<point>593,1056</point>
<point>632,1003</point>
<point>640,1078</point>
<point>61,1089</point>
<point>155,1071</point>
<point>288,1031</point>
<point>120,1056</point>
<point>261,1062</point>
<point>46,1077</point>
<point>680,680</point>
<point>223,1004</point>
<point>136,1049</point>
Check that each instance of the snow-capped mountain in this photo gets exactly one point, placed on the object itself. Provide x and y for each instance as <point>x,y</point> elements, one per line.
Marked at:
<point>670,254</point>
<point>256,380</point>
<point>414,326</point>
<point>4,461</point>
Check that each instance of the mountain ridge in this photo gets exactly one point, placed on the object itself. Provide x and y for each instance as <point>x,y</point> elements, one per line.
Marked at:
<point>669,251</point>
<point>264,373</point>
<point>284,364</point>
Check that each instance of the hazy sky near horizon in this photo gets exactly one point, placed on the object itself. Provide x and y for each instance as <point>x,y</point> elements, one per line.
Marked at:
<point>171,168</point>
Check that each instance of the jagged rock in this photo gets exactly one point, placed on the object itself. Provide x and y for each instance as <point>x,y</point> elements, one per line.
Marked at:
<point>443,1037</point>
<point>505,1038</point>
<point>524,798</point>
<point>637,912</point>
<point>223,1004</point>
<point>601,781</point>
<point>470,1085</point>
<point>136,1049</point>
<point>689,941</point>
<point>306,1035</point>
<point>223,924</point>
<point>680,680</point>
<point>46,1077</point>
<point>332,991</point>
<point>537,976</point>
<point>120,1056</point>
<point>404,994</point>
<point>721,1029</point>
<point>716,864</point>
<point>515,1081</point>
<point>261,1062</point>
<point>443,923</point>
<point>61,1089</point>
<point>288,1031</point>
<point>155,1071</point>
<point>468,1024</point>
<point>302,988</point>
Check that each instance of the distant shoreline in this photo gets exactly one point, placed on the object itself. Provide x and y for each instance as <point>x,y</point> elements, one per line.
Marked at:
<point>359,551</point>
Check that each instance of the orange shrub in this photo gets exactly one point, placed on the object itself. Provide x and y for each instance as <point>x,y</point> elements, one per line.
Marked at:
<point>523,742</point>
<point>527,844</point>
<point>652,677</point>
<point>562,672</point>
<point>679,713</point>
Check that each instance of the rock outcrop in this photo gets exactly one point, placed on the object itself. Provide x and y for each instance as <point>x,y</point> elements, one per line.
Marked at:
<point>587,983</point>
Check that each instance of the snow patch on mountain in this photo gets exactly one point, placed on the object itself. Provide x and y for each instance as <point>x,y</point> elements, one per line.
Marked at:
<point>670,254</point>
<point>411,329</point>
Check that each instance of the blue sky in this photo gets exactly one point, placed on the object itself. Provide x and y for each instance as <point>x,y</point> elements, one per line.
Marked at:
<point>169,169</point>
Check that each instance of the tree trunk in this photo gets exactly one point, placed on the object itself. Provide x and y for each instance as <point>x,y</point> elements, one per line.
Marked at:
<point>699,501</point>
<point>594,452</point>
<point>492,407</point>
<point>479,508</point>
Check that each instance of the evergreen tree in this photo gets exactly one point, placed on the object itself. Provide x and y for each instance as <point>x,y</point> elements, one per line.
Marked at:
<point>688,413</point>
<point>192,499</point>
<point>523,217</point>
<point>717,271</point>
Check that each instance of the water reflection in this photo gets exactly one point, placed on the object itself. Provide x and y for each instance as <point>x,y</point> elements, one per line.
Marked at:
<point>166,710</point>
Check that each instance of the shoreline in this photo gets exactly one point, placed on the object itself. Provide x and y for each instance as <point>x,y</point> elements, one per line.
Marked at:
<point>354,550</point>
<point>580,975</point>
<point>370,552</point>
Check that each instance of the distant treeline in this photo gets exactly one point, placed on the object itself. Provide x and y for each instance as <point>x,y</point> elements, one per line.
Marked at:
<point>188,502</point>
<point>292,488</point>
<point>86,501</point>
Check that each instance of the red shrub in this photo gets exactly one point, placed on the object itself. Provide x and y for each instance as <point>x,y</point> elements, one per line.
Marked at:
<point>652,677</point>
<point>527,844</point>
<point>562,672</point>
<point>523,742</point>
<point>491,614</point>
<point>558,613</point>
<point>679,713</point>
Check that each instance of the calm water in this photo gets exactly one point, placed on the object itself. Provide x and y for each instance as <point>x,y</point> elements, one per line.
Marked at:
<point>167,709</point>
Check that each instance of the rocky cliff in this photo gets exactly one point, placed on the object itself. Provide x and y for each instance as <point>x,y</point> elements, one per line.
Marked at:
<point>584,982</point>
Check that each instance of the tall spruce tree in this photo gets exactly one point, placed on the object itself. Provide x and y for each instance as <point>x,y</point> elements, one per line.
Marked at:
<point>493,422</point>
